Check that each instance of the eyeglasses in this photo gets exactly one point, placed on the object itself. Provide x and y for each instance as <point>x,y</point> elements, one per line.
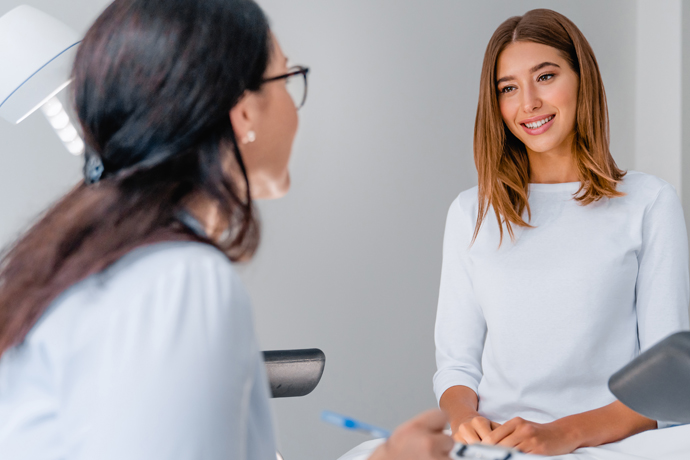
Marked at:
<point>296,83</point>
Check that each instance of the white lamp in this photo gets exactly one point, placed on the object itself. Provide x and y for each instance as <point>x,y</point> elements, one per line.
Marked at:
<point>36,55</point>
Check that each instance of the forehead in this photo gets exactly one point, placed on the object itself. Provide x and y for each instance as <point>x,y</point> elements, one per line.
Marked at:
<point>519,57</point>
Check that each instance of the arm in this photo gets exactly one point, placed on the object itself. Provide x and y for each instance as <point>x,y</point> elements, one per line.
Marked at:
<point>460,332</point>
<point>663,288</point>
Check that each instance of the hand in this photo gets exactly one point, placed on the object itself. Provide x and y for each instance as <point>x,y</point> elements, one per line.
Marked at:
<point>533,438</point>
<point>421,438</point>
<point>474,429</point>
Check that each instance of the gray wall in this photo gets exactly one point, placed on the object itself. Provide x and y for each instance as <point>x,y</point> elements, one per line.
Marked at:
<point>350,259</point>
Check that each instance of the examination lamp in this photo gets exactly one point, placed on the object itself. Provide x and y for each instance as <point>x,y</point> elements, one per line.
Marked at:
<point>36,55</point>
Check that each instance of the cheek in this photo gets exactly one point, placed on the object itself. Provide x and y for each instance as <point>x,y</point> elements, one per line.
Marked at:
<point>565,98</point>
<point>508,110</point>
<point>285,124</point>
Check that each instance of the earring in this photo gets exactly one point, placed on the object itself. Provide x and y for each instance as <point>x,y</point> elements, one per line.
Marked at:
<point>250,137</point>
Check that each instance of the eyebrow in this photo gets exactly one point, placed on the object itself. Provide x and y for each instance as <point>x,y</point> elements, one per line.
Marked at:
<point>532,70</point>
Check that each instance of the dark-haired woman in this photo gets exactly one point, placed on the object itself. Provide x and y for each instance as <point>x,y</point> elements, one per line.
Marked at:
<point>125,332</point>
<point>593,269</point>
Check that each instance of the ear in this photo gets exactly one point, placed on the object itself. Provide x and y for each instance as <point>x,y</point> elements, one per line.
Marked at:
<point>243,117</point>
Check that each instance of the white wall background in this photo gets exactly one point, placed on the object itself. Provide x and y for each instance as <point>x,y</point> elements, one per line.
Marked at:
<point>351,258</point>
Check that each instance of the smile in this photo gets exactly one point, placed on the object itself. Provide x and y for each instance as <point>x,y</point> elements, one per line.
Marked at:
<point>539,123</point>
<point>539,126</point>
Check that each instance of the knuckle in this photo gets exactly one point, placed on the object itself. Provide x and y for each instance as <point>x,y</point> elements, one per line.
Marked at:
<point>528,430</point>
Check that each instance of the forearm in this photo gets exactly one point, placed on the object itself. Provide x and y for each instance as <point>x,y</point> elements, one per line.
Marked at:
<point>607,424</point>
<point>459,403</point>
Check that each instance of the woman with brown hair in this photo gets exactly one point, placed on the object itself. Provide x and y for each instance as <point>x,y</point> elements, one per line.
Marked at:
<point>583,266</point>
<point>125,331</point>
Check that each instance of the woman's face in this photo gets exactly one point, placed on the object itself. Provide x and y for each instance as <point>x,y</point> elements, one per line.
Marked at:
<point>265,124</point>
<point>537,95</point>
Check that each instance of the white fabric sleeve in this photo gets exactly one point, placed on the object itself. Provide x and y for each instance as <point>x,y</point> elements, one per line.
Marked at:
<point>180,370</point>
<point>460,326</point>
<point>663,288</point>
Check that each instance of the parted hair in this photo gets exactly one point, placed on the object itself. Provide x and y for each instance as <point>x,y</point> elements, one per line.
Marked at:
<point>501,159</point>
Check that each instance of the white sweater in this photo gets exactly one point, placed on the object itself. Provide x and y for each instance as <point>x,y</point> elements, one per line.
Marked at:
<point>537,327</point>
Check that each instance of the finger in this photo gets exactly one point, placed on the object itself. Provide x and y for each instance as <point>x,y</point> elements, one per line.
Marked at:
<point>495,425</point>
<point>500,432</point>
<point>482,426</point>
<point>468,434</point>
<point>433,420</point>
<point>512,440</point>
<point>525,446</point>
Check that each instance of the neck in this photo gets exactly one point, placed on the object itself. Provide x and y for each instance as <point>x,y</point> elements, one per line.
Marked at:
<point>555,166</point>
<point>206,212</point>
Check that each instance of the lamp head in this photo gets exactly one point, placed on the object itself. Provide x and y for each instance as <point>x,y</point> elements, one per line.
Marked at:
<point>36,55</point>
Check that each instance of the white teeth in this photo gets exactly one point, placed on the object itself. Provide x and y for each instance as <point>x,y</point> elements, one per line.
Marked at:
<point>539,123</point>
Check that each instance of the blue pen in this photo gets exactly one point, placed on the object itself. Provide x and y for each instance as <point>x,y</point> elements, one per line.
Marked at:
<point>352,424</point>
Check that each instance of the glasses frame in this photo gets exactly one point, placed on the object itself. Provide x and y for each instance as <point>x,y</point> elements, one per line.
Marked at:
<point>294,71</point>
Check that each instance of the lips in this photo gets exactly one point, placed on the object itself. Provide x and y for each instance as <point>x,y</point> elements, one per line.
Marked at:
<point>538,125</point>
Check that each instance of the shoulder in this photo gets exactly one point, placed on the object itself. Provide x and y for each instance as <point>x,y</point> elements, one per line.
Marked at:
<point>644,189</point>
<point>462,215</point>
<point>466,203</point>
<point>166,258</point>
<point>164,286</point>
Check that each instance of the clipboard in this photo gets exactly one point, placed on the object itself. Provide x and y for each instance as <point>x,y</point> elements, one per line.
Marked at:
<point>484,452</point>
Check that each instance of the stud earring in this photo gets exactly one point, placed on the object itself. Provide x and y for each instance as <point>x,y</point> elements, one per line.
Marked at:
<point>250,137</point>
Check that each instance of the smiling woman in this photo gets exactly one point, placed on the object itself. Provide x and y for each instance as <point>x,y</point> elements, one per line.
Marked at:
<point>540,65</point>
<point>529,330</point>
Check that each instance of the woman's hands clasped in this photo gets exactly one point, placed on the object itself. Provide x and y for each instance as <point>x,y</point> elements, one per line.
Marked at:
<point>533,438</point>
<point>475,429</point>
<point>517,433</point>
<point>421,438</point>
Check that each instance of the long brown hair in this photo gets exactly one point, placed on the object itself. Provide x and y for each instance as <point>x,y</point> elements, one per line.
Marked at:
<point>501,159</point>
<point>154,82</point>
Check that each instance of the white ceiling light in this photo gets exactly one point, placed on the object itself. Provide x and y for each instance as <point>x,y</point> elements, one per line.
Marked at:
<point>36,56</point>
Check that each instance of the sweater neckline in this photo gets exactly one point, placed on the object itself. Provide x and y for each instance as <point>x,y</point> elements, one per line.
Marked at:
<point>571,187</point>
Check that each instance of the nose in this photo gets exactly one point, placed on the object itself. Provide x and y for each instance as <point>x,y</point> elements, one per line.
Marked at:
<point>530,99</point>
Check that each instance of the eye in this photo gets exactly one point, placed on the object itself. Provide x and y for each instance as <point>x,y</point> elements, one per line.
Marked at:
<point>545,77</point>
<point>506,89</point>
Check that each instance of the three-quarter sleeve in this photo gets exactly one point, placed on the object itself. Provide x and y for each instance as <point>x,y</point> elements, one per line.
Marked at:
<point>179,371</point>
<point>460,326</point>
<point>662,289</point>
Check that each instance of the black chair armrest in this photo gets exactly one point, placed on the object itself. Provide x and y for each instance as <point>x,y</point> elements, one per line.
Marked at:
<point>294,372</point>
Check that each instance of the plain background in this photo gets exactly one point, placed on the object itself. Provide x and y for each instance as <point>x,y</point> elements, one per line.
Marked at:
<point>350,259</point>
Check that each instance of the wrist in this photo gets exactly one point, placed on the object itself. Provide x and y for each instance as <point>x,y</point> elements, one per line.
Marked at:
<point>458,419</point>
<point>572,432</point>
